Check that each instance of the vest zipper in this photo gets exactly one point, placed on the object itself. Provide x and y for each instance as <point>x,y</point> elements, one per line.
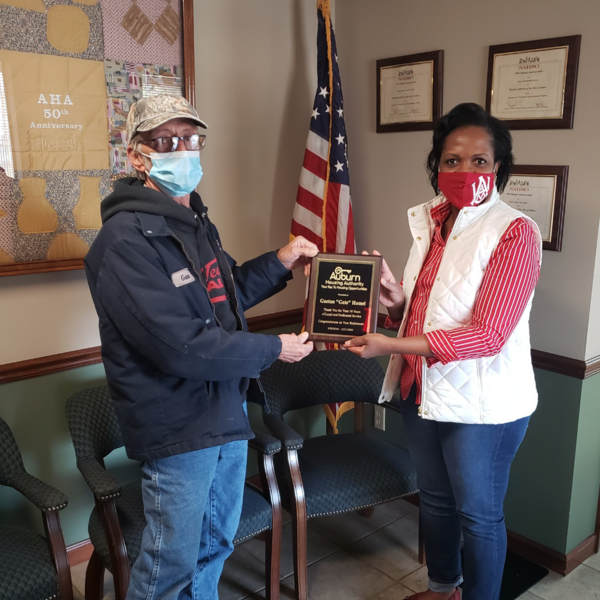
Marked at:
<point>421,409</point>
<point>199,278</point>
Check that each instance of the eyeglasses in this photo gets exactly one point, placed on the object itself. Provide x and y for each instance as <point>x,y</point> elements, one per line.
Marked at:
<point>170,143</point>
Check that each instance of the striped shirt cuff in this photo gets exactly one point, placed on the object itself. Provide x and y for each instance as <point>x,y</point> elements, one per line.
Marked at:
<point>389,324</point>
<point>441,346</point>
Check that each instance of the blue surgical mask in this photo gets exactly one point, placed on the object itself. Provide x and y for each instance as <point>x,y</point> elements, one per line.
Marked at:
<point>176,173</point>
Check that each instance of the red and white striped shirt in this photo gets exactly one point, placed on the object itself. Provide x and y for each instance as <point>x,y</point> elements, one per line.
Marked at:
<point>507,285</point>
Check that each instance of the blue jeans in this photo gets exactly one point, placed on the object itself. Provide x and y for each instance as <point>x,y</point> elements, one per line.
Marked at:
<point>462,474</point>
<point>192,504</point>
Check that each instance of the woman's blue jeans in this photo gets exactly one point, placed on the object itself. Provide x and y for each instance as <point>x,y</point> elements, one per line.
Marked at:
<point>462,474</point>
<point>192,504</point>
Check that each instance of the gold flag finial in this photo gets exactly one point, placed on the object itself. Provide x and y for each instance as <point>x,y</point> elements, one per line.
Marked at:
<point>323,6</point>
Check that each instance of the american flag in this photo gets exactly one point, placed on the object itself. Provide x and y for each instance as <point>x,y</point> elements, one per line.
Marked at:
<point>323,211</point>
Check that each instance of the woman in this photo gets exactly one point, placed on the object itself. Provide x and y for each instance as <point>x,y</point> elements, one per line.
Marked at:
<point>462,357</point>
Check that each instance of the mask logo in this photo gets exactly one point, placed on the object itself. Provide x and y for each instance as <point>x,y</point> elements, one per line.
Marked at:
<point>464,189</point>
<point>482,191</point>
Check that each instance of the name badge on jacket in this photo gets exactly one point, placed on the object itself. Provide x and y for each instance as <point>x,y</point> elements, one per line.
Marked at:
<point>183,277</point>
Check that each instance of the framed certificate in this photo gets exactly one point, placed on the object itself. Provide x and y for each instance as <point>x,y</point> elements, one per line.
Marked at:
<point>531,85</point>
<point>343,296</point>
<point>409,91</point>
<point>540,192</point>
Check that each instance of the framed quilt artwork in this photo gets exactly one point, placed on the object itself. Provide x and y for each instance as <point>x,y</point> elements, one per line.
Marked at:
<point>69,71</point>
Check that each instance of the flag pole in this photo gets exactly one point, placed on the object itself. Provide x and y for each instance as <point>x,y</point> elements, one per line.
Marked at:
<point>324,7</point>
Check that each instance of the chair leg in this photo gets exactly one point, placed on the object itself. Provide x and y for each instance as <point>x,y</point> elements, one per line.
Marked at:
<point>59,553</point>
<point>273,536</point>
<point>118,552</point>
<point>298,526</point>
<point>272,554</point>
<point>94,578</point>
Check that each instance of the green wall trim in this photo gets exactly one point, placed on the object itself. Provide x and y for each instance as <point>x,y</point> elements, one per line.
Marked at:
<point>586,474</point>
<point>35,411</point>
<point>539,494</point>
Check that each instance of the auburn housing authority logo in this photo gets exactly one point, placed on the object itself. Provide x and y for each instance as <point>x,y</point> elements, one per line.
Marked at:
<point>340,274</point>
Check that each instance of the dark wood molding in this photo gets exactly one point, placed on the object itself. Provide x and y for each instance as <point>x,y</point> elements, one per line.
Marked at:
<point>40,266</point>
<point>45,365</point>
<point>580,369</point>
<point>581,553</point>
<point>189,58</point>
<point>273,320</point>
<point>560,563</point>
<point>592,366</point>
<point>80,552</point>
<point>537,553</point>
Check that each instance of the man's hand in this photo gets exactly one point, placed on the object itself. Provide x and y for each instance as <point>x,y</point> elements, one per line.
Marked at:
<point>297,253</point>
<point>391,294</point>
<point>294,347</point>
<point>370,345</point>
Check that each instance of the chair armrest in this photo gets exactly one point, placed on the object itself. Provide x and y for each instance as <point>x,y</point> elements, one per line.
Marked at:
<point>100,481</point>
<point>43,495</point>
<point>264,443</point>
<point>290,439</point>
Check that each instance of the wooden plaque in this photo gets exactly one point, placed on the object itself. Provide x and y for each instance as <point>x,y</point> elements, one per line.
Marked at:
<point>343,297</point>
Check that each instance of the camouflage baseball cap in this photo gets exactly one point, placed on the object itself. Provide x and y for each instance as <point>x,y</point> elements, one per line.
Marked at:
<point>152,111</point>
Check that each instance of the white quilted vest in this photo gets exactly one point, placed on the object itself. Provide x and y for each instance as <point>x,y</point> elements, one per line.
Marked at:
<point>496,389</point>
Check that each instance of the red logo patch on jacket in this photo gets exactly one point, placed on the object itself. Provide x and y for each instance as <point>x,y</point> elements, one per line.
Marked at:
<point>214,282</point>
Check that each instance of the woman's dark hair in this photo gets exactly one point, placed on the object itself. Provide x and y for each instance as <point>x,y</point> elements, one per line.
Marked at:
<point>470,114</point>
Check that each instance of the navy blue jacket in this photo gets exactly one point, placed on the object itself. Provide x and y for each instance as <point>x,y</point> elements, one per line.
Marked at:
<point>178,379</point>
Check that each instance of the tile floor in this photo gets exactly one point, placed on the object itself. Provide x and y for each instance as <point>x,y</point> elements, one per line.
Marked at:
<point>353,558</point>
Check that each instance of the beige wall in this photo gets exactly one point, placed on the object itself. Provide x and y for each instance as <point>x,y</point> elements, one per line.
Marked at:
<point>45,314</point>
<point>255,84</point>
<point>256,78</point>
<point>593,341</point>
<point>387,170</point>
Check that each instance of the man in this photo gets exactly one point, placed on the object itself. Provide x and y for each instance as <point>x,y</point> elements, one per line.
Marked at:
<point>176,349</point>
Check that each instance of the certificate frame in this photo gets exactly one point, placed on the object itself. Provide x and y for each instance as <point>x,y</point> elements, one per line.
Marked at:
<point>555,210</point>
<point>436,58</point>
<point>331,263</point>
<point>569,84</point>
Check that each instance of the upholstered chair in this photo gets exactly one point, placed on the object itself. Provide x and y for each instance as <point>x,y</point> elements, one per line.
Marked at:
<point>32,567</point>
<point>332,473</point>
<point>117,521</point>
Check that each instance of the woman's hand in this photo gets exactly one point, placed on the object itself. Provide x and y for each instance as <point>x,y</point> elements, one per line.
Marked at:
<point>391,294</point>
<point>370,345</point>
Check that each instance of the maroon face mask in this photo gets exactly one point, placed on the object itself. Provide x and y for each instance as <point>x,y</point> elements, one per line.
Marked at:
<point>466,189</point>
